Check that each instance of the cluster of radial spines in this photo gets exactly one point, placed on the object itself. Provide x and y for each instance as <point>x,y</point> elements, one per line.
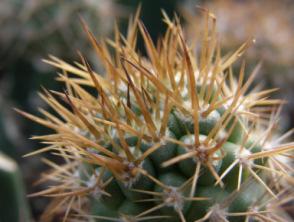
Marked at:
<point>73,186</point>
<point>136,97</point>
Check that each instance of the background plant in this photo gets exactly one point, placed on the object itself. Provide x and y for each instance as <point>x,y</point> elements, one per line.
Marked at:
<point>30,30</point>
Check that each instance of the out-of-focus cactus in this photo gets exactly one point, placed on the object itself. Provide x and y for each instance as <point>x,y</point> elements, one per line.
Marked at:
<point>13,202</point>
<point>30,30</point>
<point>38,28</point>
<point>170,137</point>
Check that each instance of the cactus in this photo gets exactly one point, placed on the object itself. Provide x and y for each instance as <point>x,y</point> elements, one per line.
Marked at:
<point>27,25</point>
<point>30,30</point>
<point>174,136</point>
<point>13,204</point>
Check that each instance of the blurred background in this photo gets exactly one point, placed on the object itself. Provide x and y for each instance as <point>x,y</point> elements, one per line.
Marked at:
<point>30,30</point>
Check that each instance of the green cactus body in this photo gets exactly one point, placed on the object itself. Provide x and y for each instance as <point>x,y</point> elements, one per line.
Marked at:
<point>199,209</point>
<point>188,166</point>
<point>168,137</point>
<point>164,153</point>
<point>232,177</point>
<point>238,131</point>
<point>13,204</point>
<point>182,125</point>
<point>98,208</point>
<point>142,183</point>
<point>172,197</point>
<point>116,196</point>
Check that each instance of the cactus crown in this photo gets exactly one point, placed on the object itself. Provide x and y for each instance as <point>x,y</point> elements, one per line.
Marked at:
<point>167,137</point>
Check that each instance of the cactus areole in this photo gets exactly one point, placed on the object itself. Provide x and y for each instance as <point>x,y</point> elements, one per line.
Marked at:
<point>173,136</point>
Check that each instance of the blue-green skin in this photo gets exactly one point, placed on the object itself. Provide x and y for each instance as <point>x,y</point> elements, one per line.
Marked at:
<point>199,208</point>
<point>240,204</point>
<point>85,170</point>
<point>238,131</point>
<point>132,208</point>
<point>142,183</point>
<point>230,180</point>
<point>188,166</point>
<point>99,209</point>
<point>230,156</point>
<point>162,154</point>
<point>114,190</point>
<point>176,125</point>
<point>127,208</point>
<point>174,180</point>
<point>237,134</point>
<point>245,199</point>
<point>255,149</point>
<point>206,124</point>
<point>219,196</point>
<point>181,125</point>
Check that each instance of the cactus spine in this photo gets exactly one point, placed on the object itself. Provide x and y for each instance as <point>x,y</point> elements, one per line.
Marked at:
<point>168,137</point>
